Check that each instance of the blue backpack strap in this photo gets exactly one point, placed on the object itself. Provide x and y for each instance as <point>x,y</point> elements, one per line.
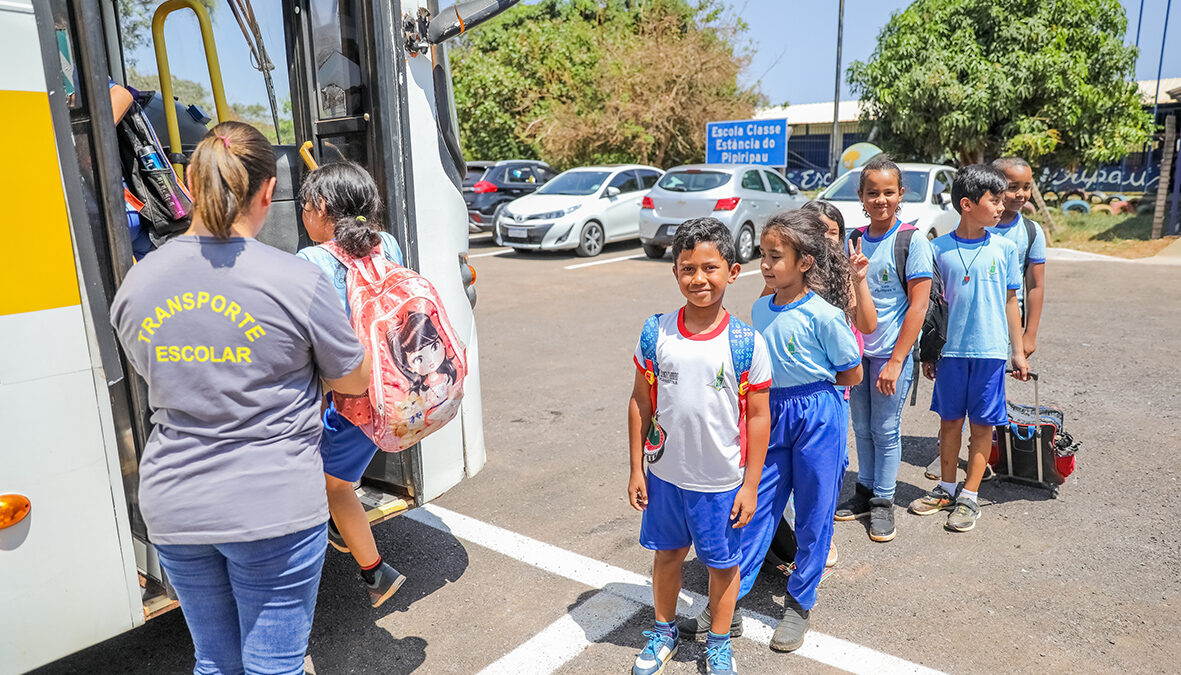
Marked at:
<point>648,339</point>
<point>742,347</point>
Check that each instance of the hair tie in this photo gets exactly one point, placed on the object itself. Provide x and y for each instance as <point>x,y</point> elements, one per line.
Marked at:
<point>362,219</point>
<point>224,139</point>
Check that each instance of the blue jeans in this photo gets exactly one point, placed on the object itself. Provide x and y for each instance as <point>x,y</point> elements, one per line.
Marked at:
<point>877,420</point>
<point>248,605</point>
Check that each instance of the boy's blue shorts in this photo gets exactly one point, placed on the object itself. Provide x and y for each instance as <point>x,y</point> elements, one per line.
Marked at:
<point>972,388</point>
<point>345,449</point>
<point>677,517</point>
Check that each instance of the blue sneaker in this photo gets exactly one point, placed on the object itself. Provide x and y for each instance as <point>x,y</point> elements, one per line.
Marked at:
<point>719,660</point>
<point>660,650</point>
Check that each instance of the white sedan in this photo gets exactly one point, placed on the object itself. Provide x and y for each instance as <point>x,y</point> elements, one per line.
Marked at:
<point>926,204</point>
<point>581,209</point>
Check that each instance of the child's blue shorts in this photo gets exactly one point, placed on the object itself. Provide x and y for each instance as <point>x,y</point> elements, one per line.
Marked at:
<point>345,449</point>
<point>677,517</point>
<point>972,388</point>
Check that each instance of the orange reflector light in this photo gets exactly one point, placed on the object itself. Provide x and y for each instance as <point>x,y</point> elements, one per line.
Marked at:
<point>13,509</point>
<point>473,271</point>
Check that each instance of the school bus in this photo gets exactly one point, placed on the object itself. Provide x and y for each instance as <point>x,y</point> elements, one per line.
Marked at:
<point>364,80</point>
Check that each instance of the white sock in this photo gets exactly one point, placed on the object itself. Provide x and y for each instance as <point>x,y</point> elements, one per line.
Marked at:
<point>965,494</point>
<point>950,487</point>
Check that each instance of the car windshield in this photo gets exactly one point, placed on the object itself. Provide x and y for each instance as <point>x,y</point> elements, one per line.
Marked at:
<point>693,181</point>
<point>845,187</point>
<point>575,183</point>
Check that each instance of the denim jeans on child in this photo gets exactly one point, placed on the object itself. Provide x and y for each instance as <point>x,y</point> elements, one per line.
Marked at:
<point>877,426</point>
<point>248,605</point>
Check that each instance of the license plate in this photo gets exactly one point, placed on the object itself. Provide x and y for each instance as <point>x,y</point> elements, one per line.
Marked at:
<point>517,232</point>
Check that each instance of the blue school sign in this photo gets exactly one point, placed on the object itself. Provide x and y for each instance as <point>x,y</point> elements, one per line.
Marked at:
<point>746,142</point>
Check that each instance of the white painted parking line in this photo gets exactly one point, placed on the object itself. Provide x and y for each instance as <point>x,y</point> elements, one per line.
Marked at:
<point>604,262</point>
<point>567,637</point>
<point>489,253</point>
<point>636,588</point>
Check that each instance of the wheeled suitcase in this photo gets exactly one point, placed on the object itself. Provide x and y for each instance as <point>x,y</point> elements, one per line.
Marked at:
<point>1033,448</point>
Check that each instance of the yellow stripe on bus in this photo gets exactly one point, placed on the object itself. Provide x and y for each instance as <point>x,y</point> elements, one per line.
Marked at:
<point>36,253</point>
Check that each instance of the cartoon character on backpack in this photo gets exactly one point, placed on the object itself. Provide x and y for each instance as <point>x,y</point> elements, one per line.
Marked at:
<point>421,355</point>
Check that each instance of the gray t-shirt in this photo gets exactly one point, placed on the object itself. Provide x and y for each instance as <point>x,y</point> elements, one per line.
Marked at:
<point>232,337</point>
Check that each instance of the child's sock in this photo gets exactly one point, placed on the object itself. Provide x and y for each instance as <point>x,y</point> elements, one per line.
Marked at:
<point>950,487</point>
<point>712,639</point>
<point>966,494</point>
<point>369,573</point>
<point>668,628</point>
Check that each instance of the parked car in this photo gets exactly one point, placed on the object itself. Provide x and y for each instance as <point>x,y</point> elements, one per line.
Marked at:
<point>743,196</point>
<point>926,204</point>
<point>581,209</point>
<point>490,185</point>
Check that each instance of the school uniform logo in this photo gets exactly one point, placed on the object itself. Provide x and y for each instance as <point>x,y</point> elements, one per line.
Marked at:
<point>992,271</point>
<point>792,347</point>
<point>885,276</point>
<point>719,382</point>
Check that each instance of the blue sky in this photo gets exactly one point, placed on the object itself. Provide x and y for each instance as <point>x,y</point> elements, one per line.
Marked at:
<point>793,64</point>
<point>797,65</point>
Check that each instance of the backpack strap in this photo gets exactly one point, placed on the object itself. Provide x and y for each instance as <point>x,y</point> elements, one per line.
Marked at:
<point>902,251</point>
<point>742,353</point>
<point>1030,233</point>
<point>648,337</point>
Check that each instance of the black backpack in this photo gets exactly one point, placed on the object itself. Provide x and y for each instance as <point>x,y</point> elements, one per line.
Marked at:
<point>934,335</point>
<point>150,186</point>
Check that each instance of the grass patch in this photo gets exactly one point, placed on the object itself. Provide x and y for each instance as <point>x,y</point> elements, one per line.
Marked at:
<point>1123,235</point>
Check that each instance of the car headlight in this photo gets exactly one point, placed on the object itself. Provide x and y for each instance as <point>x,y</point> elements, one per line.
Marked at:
<point>553,215</point>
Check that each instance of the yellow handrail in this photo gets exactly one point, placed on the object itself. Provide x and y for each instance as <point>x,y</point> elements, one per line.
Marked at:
<point>165,73</point>
<point>305,151</point>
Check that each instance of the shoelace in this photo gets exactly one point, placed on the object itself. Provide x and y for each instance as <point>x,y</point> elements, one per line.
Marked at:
<point>719,657</point>
<point>655,639</point>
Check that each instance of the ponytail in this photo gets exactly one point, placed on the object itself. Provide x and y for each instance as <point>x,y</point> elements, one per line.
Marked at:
<point>226,171</point>
<point>351,200</point>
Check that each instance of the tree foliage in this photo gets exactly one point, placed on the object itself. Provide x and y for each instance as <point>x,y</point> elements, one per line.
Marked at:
<point>135,21</point>
<point>1048,81</point>
<point>587,81</point>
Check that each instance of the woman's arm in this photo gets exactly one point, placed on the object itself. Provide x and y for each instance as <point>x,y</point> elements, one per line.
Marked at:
<point>918,292</point>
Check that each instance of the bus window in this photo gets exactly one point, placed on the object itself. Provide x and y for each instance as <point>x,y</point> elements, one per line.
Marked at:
<point>339,88</point>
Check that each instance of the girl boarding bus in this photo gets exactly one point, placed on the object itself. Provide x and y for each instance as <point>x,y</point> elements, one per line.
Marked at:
<point>338,79</point>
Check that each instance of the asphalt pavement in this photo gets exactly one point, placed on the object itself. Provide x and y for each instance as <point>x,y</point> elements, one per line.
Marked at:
<point>533,565</point>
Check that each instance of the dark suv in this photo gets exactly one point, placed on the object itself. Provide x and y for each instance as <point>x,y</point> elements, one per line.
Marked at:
<point>489,185</point>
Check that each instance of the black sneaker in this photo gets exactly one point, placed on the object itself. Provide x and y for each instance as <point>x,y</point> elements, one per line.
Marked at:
<point>789,634</point>
<point>335,539</point>
<point>386,582</point>
<point>856,506</point>
<point>695,628</point>
<point>881,519</point>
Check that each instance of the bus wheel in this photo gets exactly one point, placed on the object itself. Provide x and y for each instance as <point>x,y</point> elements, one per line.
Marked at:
<point>590,242</point>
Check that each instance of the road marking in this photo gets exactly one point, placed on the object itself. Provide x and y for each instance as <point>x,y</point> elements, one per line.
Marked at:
<point>604,262</point>
<point>567,637</point>
<point>637,589</point>
<point>485,255</point>
<point>750,273</point>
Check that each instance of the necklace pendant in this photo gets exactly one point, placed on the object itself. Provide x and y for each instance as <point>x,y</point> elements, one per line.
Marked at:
<point>966,278</point>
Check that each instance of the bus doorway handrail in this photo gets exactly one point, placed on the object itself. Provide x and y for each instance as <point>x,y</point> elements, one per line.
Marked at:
<point>165,72</point>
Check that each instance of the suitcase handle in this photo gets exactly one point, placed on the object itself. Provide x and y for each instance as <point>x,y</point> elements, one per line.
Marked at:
<point>1028,435</point>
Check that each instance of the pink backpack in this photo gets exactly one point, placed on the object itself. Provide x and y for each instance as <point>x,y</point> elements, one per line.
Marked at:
<point>418,364</point>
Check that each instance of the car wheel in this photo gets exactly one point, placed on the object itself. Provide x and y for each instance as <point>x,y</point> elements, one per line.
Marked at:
<point>653,251</point>
<point>522,251</point>
<point>745,244</point>
<point>590,241</point>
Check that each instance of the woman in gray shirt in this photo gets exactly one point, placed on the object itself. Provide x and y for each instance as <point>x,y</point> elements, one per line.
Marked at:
<point>233,338</point>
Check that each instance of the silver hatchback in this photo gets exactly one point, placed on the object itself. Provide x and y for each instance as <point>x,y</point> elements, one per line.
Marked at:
<point>743,196</point>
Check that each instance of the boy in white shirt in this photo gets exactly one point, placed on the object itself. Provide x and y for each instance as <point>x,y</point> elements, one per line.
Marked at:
<point>699,416</point>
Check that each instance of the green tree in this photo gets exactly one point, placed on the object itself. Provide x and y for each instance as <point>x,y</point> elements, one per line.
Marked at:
<point>1048,81</point>
<point>135,21</point>
<point>585,81</point>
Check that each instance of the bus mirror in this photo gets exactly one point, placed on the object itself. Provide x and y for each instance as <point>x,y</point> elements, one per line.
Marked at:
<point>462,17</point>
